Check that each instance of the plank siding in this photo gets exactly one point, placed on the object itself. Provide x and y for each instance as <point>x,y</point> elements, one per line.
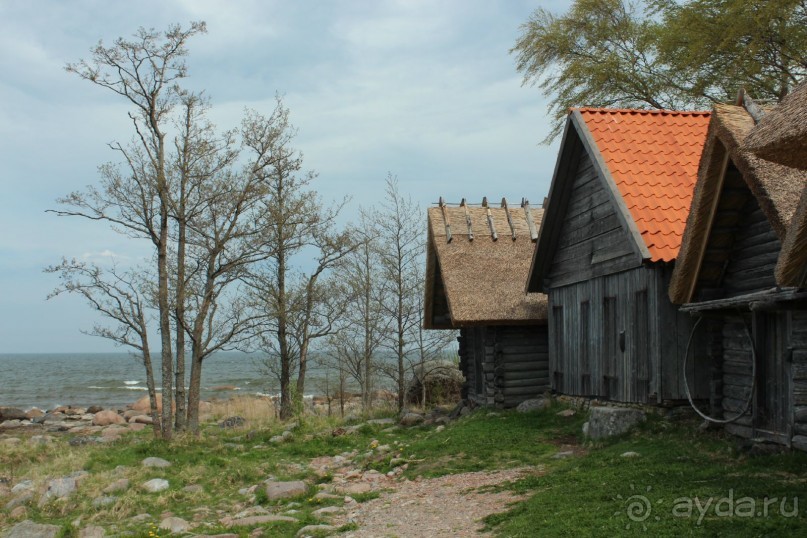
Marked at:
<point>618,337</point>
<point>591,240</point>
<point>504,365</point>
<point>754,254</point>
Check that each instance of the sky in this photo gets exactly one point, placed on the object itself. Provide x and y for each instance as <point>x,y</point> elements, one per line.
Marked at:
<point>425,90</point>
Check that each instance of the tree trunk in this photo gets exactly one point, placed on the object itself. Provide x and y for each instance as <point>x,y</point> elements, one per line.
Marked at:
<point>181,415</point>
<point>162,298</point>
<point>194,390</point>
<point>150,385</point>
<point>282,340</point>
<point>301,371</point>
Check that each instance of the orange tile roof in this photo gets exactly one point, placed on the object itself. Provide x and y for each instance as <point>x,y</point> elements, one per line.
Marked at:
<point>653,156</point>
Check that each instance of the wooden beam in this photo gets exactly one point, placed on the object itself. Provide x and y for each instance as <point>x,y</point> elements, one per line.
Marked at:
<point>509,218</point>
<point>445,219</point>
<point>530,222</point>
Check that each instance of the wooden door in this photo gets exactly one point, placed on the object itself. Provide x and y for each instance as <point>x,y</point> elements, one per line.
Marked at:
<point>772,410</point>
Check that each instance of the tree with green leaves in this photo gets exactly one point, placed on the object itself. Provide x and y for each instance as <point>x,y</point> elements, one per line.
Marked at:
<point>662,53</point>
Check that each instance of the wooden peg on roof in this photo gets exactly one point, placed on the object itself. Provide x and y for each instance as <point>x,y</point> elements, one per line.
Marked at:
<point>509,219</point>
<point>492,227</point>
<point>445,219</point>
<point>530,223</point>
<point>467,220</point>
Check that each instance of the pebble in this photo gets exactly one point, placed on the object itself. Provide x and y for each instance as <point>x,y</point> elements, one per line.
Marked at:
<point>175,525</point>
<point>156,485</point>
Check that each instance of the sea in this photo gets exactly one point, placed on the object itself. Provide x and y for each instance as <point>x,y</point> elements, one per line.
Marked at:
<point>113,380</point>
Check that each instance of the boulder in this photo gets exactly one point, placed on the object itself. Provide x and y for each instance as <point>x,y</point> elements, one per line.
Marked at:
<point>607,422</point>
<point>284,490</point>
<point>232,422</point>
<point>255,520</point>
<point>533,404</point>
<point>141,419</point>
<point>12,413</point>
<point>381,421</point>
<point>155,485</point>
<point>107,417</point>
<point>175,525</point>
<point>156,462</point>
<point>10,424</point>
<point>34,413</point>
<point>566,413</point>
<point>316,530</point>
<point>91,532</point>
<point>411,419</point>
<point>29,529</point>
<point>93,409</point>
<point>58,488</point>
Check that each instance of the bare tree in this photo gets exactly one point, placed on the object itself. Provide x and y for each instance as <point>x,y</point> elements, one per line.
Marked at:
<point>122,297</point>
<point>297,223</point>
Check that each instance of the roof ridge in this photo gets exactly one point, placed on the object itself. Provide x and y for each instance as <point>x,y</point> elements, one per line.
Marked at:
<point>642,111</point>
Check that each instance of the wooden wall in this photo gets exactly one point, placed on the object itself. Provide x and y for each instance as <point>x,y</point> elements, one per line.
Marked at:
<point>504,365</point>
<point>591,240</point>
<point>618,337</point>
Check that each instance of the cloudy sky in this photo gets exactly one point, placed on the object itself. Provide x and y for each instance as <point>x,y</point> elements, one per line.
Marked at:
<point>426,90</point>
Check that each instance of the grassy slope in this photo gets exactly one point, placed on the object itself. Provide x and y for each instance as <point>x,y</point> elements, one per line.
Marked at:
<point>586,495</point>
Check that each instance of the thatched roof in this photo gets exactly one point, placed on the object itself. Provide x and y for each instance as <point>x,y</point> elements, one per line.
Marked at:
<point>776,188</point>
<point>791,268</point>
<point>781,136</point>
<point>474,279</point>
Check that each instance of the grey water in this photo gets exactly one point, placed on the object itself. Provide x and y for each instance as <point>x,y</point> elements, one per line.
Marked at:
<point>112,380</point>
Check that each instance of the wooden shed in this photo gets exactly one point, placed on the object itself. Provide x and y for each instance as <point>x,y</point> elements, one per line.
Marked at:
<point>611,233</point>
<point>477,262</point>
<point>741,212</point>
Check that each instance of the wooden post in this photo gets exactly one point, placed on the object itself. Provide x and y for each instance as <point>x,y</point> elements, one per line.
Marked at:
<point>468,220</point>
<point>493,233</point>
<point>509,218</point>
<point>445,219</point>
<point>531,223</point>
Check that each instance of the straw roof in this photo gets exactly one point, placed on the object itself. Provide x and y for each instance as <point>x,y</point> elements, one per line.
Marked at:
<point>791,268</point>
<point>474,279</point>
<point>776,188</point>
<point>781,136</point>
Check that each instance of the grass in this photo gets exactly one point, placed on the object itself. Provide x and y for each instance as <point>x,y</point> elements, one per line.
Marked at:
<point>588,494</point>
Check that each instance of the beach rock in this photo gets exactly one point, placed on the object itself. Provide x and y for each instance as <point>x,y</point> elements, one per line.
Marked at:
<point>93,409</point>
<point>255,520</point>
<point>58,488</point>
<point>22,486</point>
<point>140,518</point>
<point>12,413</point>
<point>411,419</point>
<point>175,525</point>
<point>282,438</point>
<point>607,422</point>
<point>284,490</point>
<point>137,427</point>
<point>84,440</point>
<point>533,404</point>
<point>328,511</point>
<point>141,419</point>
<point>92,532</point>
<point>155,485</point>
<point>20,500</point>
<point>41,439</point>
<point>355,488</point>
<point>316,530</point>
<point>156,462</point>
<point>221,388</point>
<point>34,413</point>
<point>18,512</point>
<point>29,529</point>
<point>232,422</point>
<point>381,421</point>
<point>104,500</point>
<point>566,413</point>
<point>10,424</point>
<point>107,417</point>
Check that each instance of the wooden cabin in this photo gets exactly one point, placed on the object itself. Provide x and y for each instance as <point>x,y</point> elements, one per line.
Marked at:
<point>476,265</point>
<point>756,331</point>
<point>611,232</point>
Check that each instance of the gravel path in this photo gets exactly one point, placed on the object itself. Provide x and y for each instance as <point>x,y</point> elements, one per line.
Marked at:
<point>446,506</point>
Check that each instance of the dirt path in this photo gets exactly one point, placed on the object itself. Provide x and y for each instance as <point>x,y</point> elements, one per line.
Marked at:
<point>446,506</point>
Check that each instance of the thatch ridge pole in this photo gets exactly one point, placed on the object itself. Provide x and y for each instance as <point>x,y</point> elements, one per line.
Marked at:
<point>530,223</point>
<point>493,233</point>
<point>468,220</point>
<point>445,219</point>
<point>509,218</point>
